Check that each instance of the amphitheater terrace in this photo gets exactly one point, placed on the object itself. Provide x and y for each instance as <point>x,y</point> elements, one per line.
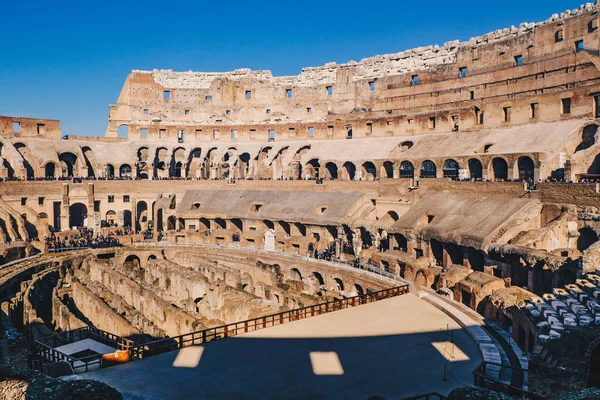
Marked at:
<point>392,227</point>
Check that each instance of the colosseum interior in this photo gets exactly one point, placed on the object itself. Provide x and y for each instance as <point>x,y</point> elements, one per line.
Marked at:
<point>356,217</point>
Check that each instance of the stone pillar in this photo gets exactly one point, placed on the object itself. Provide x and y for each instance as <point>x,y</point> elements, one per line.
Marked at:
<point>65,214</point>
<point>530,279</point>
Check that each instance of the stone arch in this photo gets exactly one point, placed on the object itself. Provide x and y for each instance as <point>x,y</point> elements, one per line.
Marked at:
<point>428,169</point>
<point>88,157</point>
<point>338,284</point>
<point>77,215</point>
<point>111,217</point>
<point>110,171</point>
<point>311,169</point>
<point>349,171</point>
<point>387,170</point>
<point>358,290</point>
<point>318,278</point>
<point>526,168</point>
<point>132,261</point>
<point>125,171</point>
<point>594,168</point>
<point>50,170</point>
<point>123,131</point>
<point>450,169</point>
<point>499,168</point>
<point>295,274</point>
<point>141,219</point>
<point>24,153</point>
<point>294,170</point>
<point>587,237</point>
<point>588,137</point>
<point>69,161</point>
<point>475,169</point>
<point>421,278</point>
<point>407,170</point>
<point>331,170</point>
<point>171,223</point>
<point>369,171</point>
<point>127,220</point>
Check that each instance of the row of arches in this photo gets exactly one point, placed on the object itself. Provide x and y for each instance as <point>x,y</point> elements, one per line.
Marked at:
<point>498,169</point>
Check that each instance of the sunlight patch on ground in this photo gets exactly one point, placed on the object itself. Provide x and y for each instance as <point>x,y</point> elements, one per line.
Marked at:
<point>326,363</point>
<point>188,357</point>
<point>450,351</point>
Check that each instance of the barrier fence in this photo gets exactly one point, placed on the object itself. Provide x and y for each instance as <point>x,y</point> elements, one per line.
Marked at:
<point>237,328</point>
<point>45,347</point>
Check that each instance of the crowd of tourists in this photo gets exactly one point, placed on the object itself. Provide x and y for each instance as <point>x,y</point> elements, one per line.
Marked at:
<point>83,238</point>
<point>325,254</point>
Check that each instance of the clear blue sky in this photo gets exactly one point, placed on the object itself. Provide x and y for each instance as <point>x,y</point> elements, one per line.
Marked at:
<point>68,60</point>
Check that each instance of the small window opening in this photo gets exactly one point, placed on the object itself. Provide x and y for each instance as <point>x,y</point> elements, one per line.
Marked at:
<point>234,134</point>
<point>268,111</point>
<point>506,114</point>
<point>40,128</point>
<point>145,111</point>
<point>430,218</point>
<point>167,95</point>
<point>463,72</point>
<point>534,108</point>
<point>16,127</point>
<point>271,135</point>
<point>432,122</point>
<point>111,199</point>
<point>208,97</point>
<point>255,207</point>
<point>472,95</point>
<point>369,128</point>
<point>187,112</point>
<point>143,133</point>
<point>372,86</point>
<point>518,61</point>
<point>196,206</point>
<point>215,134</point>
<point>248,94</point>
<point>228,112</point>
<point>162,133</point>
<point>40,201</point>
<point>308,109</point>
<point>579,45</point>
<point>329,90</point>
<point>414,80</point>
<point>311,131</point>
<point>126,198</point>
<point>23,201</point>
<point>566,106</point>
<point>288,93</point>
<point>455,123</point>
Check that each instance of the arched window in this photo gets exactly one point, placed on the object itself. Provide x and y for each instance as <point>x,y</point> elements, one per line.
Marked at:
<point>428,169</point>
<point>450,169</point>
<point>407,170</point>
<point>475,169</point>
<point>500,168</point>
<point>526,168</point>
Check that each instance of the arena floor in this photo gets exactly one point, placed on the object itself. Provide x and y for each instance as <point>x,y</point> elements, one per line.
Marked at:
<point>393,348</point>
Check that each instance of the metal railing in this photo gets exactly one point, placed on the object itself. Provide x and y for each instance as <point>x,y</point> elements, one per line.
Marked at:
<point>46,347</point>
<point>224,331</point>
<point>480,379</point>
<point>349,266</point>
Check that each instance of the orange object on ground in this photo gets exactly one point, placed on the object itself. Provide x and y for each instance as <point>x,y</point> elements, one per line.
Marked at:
<point>119,356</point>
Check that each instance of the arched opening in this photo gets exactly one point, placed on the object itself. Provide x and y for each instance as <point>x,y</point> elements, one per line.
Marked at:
<point>587,237</point>
<point>407,170</point>
<point>88,157</point>
<point>450,169</point>
<point>332,170</point>
<point>421,279</point>
<point>295,170</point>
<point>132,261</point>
<point>318,278</point>
<point>50,170</point>
<point>401,242</point>
<point>311,169</point>
<point>110,171</point>
<point>358,290</point>
<point>366,237</point>
<point>339,285</point>
<point>588,137</point>
<point>476,259</point>
<point>369,171</point>
<point>142,216</point>
<point>500,168</point>
<point>23,152</point>
<point>428,169</point>
<point>171,223</point>
<point>123,131</point>
<point>111,218</point>
<point>68,161</point>
<point>159,219</point>
<point>125,171</point>
<point>349,170</point>
<point>594,169</point>
<point>437,252</point>
<point>238,224</point>
<point>475,169</point>
<point>295,274</point>
<point>388,168</point>
<point>526,168</point>
<point>127,219</point>
<point>77,215</point>
<point>151,257</point>
<point>205,222</point>
<point>393,215</point>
